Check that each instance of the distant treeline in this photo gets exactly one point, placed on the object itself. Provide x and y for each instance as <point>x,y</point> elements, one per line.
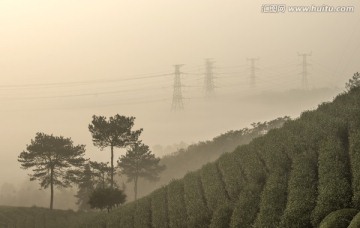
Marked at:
<point>196,155</point>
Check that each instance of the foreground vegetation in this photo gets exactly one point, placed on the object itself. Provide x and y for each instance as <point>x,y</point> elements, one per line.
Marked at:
<point>35,217</point>
<point>305,174</point>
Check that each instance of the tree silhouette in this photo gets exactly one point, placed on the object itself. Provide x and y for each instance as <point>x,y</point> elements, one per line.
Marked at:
<point>140,162</point>
<point>86,187</point>
<point>115,132</point>
<point>94,175</point>
<point>106,198</point>
<point>101,174</point>
<point>353,82</point>
<point>52,159</point>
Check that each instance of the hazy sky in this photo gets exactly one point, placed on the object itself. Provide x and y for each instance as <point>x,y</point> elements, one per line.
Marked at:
<point>63,61</point>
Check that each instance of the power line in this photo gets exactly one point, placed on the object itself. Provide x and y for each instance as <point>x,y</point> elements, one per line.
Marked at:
<point>137,85</point>
<point>234,66</point>
<point>82,82</point>
<point>89,106</point>
<point>84,94</point>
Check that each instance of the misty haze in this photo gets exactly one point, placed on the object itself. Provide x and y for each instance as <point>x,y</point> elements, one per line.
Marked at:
<point>174,107</point>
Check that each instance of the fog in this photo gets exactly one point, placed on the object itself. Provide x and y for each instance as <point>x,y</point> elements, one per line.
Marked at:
<point>63,61</point>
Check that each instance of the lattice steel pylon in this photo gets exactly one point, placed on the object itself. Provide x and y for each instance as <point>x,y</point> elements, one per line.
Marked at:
<point>177,102</point>
<point>304,73</point>
<point>252,71</point>
<point>209,79</point>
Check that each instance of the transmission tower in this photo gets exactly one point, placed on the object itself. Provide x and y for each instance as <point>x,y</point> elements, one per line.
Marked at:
<point>209,78</point>
<point>304,73</point>
<point>252,71</point>
<point>177,102</point>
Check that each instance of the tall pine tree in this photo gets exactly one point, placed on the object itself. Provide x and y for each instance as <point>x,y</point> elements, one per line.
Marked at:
<point>139,162</point>
<point>52,159</point>
<point>115,132</point>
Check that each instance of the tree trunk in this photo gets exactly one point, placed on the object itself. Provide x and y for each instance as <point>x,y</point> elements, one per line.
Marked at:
<point>103,180</point>
<point>51,189</point>
<point>112,167</point>
<point>135,187</point>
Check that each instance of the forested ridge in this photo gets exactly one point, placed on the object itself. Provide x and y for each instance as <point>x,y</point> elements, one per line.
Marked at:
<point>196,155</point>
<point>304,174</point>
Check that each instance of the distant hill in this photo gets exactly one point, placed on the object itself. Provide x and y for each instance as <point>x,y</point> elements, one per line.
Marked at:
<point>305,174</point>
<point>196,155</point>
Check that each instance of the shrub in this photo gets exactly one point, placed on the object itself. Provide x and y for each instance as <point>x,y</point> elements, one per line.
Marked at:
<point>334,190</point>
<point>142,215</point>
<point>214,189</point>
<point>232,173</point>
<point>273,200</point>
<point>222,216</point>
<point>247,206</point>
<point>355,161</point>
<point>106,198</point>
<point>339,219</point>
<point>122,217</point>
<point>272,150</point>
<point>197,212</point>
<point>176,204</point>
<point>301,191</point>
<point>252,165</point>
<point>355,222</point>
<point>159,208</point>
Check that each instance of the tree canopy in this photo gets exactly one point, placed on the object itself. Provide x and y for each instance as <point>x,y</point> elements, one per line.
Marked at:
<point>102,198</point>
<point>101,173</point>
<point>139,161</point>
<point>86,187</point>
<point>114,132</point>
<point>52,159</point>
<point>353,82</point>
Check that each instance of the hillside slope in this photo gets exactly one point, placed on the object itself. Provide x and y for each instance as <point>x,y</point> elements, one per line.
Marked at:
<point>291,177</point>
<point>196,155</point>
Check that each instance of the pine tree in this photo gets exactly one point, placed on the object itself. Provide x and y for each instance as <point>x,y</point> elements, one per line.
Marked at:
<point>115,132</point>
<point>52,159</point>
<point>139,162</point>
<point>86,187</point>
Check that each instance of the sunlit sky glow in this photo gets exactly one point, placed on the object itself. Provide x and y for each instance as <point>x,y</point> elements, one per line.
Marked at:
<point>63,61</point>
